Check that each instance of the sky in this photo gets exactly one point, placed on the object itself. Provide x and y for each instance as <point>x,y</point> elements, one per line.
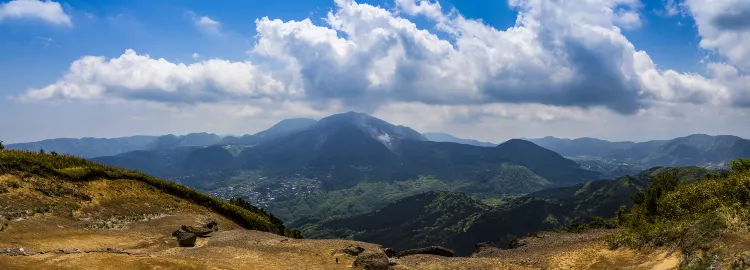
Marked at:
<point>488,70</point>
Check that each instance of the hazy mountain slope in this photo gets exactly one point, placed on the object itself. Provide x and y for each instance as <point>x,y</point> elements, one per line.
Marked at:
<point>174,162</point>
<point>87,147</point>
<point>284,127</point>
<point>693,150</point>
<point>445,137</point>
<point>99,147</point>
<point>192,139</point>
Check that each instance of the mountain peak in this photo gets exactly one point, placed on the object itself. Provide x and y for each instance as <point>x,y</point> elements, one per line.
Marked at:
<point>377,128</point>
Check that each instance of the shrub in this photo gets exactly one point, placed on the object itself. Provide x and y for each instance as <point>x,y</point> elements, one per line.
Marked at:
<point>2,146</point>
<point>691,217</point>
<point>740,165</point>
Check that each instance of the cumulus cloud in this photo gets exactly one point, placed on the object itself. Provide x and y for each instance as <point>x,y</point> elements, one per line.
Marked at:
<point>208,25</point>
<point>48,11</point>
<point>139,77</point>
<point>724,26</point>
<point>569,55</point>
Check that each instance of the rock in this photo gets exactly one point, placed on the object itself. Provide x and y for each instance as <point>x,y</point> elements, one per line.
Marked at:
<point>68,251</point>
<point>186,239</point>
<point>201,232</point>
<point>212,225</point>
<point>389,252</point>
<point>392,261</point>
<point>372,261</point>
<point>14,251</point>
<point>353,250</point>
<point>434,250</point>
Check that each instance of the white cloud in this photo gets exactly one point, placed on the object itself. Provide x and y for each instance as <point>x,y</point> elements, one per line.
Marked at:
<point>47,11</point>
<point>563,56</point>
<point>196,56</point>
<point>208,25</point>
<point>724,26</point>
<point>139,77</point>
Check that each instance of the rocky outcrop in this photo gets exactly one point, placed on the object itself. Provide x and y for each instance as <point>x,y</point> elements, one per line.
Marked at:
<point>434,250</point>
<point>353,250</point>
<point>187,235</point>
<point>14,251</point>
<point>372,261</point>
<point>185,239</point>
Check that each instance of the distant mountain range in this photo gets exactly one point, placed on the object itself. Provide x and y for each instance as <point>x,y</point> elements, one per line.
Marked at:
<point>445,137</point>
<point>697,149</point>
<point>97,147</point>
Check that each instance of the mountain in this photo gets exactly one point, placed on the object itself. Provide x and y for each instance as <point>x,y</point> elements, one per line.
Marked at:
<point>458,221</point>
<point>173,162</point>
<point>87,147</point>
<point>444,137</point>
<point>192,139</point>
<point>693,150</point>
<point>284,127</point>
<point>99,147</point>
<point>344,149</point>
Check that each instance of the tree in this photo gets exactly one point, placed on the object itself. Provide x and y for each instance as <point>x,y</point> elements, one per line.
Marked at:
<point>2,146</point>
<point>41,151</point>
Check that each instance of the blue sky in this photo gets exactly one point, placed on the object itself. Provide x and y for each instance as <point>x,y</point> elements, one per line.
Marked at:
<point>552,79</point>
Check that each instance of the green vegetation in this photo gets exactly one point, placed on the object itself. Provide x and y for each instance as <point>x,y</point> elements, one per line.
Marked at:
<point>71,168</point>
<point>2,146</point>
<point>274,220</point>
<point>689,216</point>
<point>362,198</point>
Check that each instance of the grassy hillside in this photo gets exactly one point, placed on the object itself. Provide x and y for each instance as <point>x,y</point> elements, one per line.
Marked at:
<point>702,219</point>
<point>65,168</point>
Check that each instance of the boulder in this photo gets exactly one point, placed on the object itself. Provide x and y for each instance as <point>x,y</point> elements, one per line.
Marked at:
<point>186,239</point>
<point>353,250</point>
<point>433,250</point>
<point>201,232</point>
<point>372,261</point>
